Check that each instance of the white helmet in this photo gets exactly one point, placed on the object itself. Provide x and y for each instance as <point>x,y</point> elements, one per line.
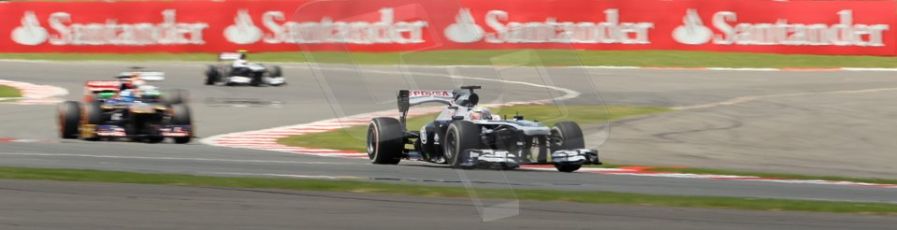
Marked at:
<point>480,113</point>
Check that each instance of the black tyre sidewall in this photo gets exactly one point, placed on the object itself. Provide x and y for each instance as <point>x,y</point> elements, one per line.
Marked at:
<point>93,114</point>
<point>567,167</point>
<point>572,136</point>
<point>387,136</point>
<point>211,75</point>
<point>180,115</point>
<point>276,71</point>
<point>69,119</point>
<point>467,137</point>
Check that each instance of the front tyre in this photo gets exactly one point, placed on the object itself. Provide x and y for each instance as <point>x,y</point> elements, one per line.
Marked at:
<point>385,141</point>
<point>180,115</point>
<point>177,96</point>
<point>567,167</point>
<point>69,119</point>
<point>212,75</point>
<point>566,135</point>
<point>93,115</point>
<point>276,71</point>
<point>460,138</point>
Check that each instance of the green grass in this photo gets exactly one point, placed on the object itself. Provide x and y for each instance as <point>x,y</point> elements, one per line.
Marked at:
<point>352,138</point>
<point>353,186</point>
<point>6,91</point>
<point>511,57</point>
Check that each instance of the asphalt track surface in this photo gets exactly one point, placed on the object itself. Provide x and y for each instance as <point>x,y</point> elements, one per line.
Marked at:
<point>837,123</point>
<point>59,205</point>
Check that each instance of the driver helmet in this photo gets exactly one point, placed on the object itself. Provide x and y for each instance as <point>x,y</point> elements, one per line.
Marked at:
<point>149,92</point>
<point>127,96</point>
<point>480,113</point>
<point>242,54</point>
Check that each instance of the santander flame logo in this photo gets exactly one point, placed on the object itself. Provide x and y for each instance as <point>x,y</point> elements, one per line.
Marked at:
<point>30,31</point>
<point>243,31</point>
<point>692,31</point>
<point>464,30</point>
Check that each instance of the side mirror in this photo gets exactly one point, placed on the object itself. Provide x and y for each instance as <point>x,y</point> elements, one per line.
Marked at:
<point>404,102</point>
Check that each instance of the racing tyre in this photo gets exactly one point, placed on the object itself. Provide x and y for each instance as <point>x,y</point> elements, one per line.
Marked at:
<point>69,118</point>
<point>92,114</point>
<point>460,138</point>
<point>180,115</point>
<point>275,71</point>
<point>385,141</point>
<point>566,135</point>
<point>567,168</point>
<point>172,97</point>
<point>212,75</point>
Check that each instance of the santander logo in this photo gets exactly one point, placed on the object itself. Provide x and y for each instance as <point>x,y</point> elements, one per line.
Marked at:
<point>61,30</point>
<point>277,28</point>
<point>464,30</point>
<point>692,31</point>
<point>243,31</point>
<point>727,30</point>
<point>499,27</point>
<point>30,32</point>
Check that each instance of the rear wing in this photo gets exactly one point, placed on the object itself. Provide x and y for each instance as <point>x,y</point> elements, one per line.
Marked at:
<point>144,75</point>
<point>416,97</point>
<point>463,97</point>
<point>229,56</point>
<point>98,86</point>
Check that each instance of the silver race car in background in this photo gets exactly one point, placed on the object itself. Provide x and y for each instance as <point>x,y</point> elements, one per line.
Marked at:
<point>241,72</point>
<point>464,135</point>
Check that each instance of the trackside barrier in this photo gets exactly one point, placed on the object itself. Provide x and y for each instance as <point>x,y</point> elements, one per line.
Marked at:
<point>844,27</point>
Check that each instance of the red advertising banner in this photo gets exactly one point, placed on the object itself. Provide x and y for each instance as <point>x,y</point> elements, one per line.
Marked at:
<point>808,27</point>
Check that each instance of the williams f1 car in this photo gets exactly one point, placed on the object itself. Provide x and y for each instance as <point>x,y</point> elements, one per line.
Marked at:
<point>241,72</point>
<point>464,135</point>
<point>117,109</point>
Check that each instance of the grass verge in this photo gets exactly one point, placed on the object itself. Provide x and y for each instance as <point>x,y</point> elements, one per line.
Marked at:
<point>7,91</point>
<point>352,138</point>
<point>445,191</point>
<point>490,57</point>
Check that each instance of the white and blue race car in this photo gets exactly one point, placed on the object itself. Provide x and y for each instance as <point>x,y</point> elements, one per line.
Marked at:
<point>241,72</point>
<point>464,135</point>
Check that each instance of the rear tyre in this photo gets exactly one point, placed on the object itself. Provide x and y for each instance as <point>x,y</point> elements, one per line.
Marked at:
<point>69,118</point>
<point>385,141</point>
<point>180,115</point>
<point>460,138</point>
